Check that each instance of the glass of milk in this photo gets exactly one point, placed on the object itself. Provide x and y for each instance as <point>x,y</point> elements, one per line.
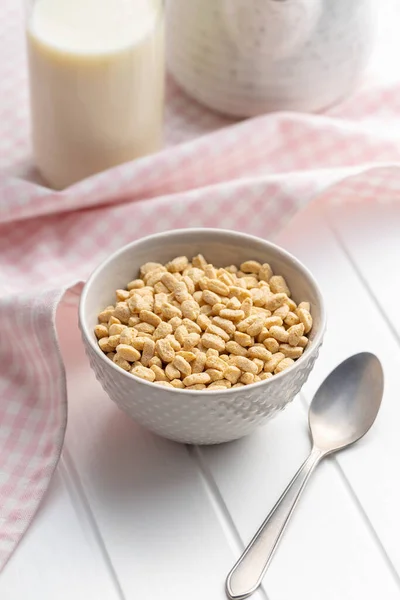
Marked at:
<point>96,82</point>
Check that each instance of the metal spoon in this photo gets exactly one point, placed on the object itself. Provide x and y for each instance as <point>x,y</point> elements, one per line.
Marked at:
<point>342,411</point>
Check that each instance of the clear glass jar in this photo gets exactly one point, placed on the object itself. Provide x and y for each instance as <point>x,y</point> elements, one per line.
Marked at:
<point>96,84</point>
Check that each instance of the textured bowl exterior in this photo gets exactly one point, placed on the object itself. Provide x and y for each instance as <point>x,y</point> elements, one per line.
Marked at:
<point>198,417</point>
<point>202,418</point>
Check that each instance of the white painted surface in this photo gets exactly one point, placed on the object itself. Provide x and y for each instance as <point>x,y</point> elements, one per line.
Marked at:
<point>130,515</point>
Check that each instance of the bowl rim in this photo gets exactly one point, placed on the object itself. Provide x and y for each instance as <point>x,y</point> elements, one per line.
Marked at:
<point>200,230</point>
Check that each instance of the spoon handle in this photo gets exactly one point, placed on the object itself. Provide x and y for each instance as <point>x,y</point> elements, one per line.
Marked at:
<point>248,572</point>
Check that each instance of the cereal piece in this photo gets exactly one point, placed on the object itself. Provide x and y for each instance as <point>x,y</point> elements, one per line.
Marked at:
<point>133,320</point>
<point>159,300</point>
<point>192,339</point>
<point>128,352</point>
<point>101,331</point>
<point>210,272</point>
<point>209,340</point>
<point>294,333</point>
<point>113,340</point>
<point>169,311</point>
<point>187,355</point>
<point>172,372</point>
<point>178,264</point>
<point>305,318</point>
<point>216,309</point>
<point>263,335</point>
<point>135,284</point>
<point>105,314</point>
<point>127,335</point>
<point>264,376</point>
<point>259,363</point>
<point>214,362</point>
<point>237,385</point>
<point>212,328</point>
<point>181,334</point>
<point>135,304</point>
<point>195,274</point>
<point>232,374</point>
<point>175,322</point>
<point>197,378</point>
<point>199,362</point>
<point>215,374</point>
<point>291,351</point>
<point>207,310</point>
<point>169,281</point>
<point>291,319</point>
<point>183,366</point>
<point>138,342</point>
<point>148,352</point>
<point>265,273</point>
<point>198,296</point>
<point>110,355</point>
<point>250,266</point>
<point>275,301</point>
<point>235,348</point>
<point>218,287</point>
<point>149,266</point>
<point>160,288</point>
<point>212,352</point>
<point>197,386</point>
<point>191,326</point>
<point>233,303</point>
<point>154,277</point>
<point>282,311</point>
<point>232,315</point>
<point>210,297</point>
<point>149,317</point>
<point>305,305</point>
<point>225,324</point>
<point>220,384</point>
<point>283,364</point>
<point>121,362</point>
<point>256,327</point>
<point>272,345</point>
<point>278,285</point>
<point>144,328</point>
<point>244,339</point>
<point>122,312</point>
<point>174,342</point>
<point>279,333</point>
<point>247,378</point>
<point>113,321</point>
<point>104,345</point>
<point>116,329</point>
<point>165,350</point>
<point>273,321</point>
<point>203,321</point>
<point>303,341</point>
<point>273,362</point>
<point>162,331</point>
<point>257,297</point>
<point>199,261</point>
<point>181,292</point>
<point>244,364</point>
<point>164,383</point>
<point>190,286</point>
<point>231,269</point>
<point>177,383</point>
<point>143,373</point>
<point>122,295</point>
<point>250,282</point>
<point>190,309</point>
<point>155,362</point>
<point>226,278</point>
<point>259,352</point>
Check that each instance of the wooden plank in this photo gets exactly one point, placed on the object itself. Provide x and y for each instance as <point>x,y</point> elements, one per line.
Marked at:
<point>154,512</point>
<point>58,558</point>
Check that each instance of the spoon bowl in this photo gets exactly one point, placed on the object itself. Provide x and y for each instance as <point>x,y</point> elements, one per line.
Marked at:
<point>341,414</point>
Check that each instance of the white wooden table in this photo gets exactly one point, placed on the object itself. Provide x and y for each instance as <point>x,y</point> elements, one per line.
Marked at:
<point>130,515</point>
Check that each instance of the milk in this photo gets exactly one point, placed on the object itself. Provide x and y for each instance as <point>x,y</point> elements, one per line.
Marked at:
<point>97,84</point>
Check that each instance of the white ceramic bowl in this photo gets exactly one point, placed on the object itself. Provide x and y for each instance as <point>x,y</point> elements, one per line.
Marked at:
<point>190,416</point>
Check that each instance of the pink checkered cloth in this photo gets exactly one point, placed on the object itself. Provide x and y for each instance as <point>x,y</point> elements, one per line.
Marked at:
<point>251,176</point>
